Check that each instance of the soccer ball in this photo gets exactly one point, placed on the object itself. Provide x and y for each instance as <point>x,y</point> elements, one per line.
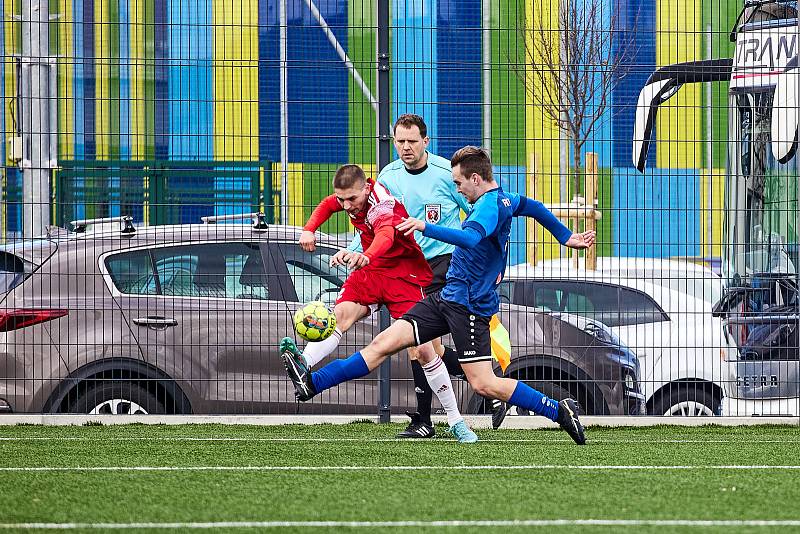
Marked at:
<point>314,321</point>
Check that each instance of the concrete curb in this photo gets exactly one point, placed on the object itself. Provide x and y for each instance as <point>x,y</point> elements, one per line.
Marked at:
<point>475,421</point>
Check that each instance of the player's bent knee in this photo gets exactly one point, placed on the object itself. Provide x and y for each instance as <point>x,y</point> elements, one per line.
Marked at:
<point>394,339</point>
<point>424,353</point>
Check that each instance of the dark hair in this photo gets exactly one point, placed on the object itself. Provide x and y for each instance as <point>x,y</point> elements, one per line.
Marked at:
<point>473,160</point>
<point>347,176</point>
<point>408,120</point>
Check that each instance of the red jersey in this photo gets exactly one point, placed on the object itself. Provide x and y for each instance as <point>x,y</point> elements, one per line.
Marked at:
<point>403,258</point>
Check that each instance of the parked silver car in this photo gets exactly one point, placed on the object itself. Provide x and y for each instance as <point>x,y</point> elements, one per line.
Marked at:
<point>185,319</point>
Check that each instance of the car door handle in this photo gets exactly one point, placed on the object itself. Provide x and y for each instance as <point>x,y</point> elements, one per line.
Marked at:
<point>156,322</point>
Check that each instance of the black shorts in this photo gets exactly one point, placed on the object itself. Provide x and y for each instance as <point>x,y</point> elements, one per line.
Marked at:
<point>434,317</point>
<point>439,266</point>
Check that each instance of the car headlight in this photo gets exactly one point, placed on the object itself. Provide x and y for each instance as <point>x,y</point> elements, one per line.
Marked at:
<point>630,381</point>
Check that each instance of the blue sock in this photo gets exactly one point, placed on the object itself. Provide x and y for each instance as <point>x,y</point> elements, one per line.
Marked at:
<point>526,397</point>
<point>339,371</point>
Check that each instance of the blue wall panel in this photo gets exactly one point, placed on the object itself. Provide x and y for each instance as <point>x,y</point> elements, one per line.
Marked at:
<point>89,82</point>
<point>657,215</point>
<point>161,123</point>
<point>636,34</point>
<point>414,57</point>
<point>460,51</point>
<point>269,141</point>
<point>601,138</point>
<point>191,125</point>
<point>318,84</point>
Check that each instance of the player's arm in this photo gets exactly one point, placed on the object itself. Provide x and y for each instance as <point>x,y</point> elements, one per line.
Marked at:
<point>466,237</point>
<point>327,207</point>
<point>528,207</point>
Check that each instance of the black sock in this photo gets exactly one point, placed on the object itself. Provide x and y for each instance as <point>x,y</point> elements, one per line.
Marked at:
<point>450,359</point>
<point>424,393</point>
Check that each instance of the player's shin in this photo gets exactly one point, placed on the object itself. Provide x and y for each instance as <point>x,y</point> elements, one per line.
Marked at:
<point>339,371</point>
<point>315,351</point>
<point>526,397</point>
<point>439,381</point>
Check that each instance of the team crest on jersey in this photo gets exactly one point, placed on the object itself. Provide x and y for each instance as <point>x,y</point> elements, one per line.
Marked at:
<point>433,213</point>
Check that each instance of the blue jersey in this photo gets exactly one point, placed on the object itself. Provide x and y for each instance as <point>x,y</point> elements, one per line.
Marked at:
<point>430,196</point>
<point>481,252</point>
<point>476,272</point>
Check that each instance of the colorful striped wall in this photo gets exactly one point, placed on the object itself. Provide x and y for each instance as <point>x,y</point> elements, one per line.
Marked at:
<point>199,80</point>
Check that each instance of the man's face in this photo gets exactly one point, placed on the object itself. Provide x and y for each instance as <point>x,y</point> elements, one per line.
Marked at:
<point>353,199</point>
<point>410,145</point>
<point>467,185</point>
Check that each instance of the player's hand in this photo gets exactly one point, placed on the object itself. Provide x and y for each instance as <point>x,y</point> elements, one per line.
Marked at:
<point>340,258</point>
<point>308,241</point>
<point>582,240</point>
<point>357,260</point>
<point>410,225</point>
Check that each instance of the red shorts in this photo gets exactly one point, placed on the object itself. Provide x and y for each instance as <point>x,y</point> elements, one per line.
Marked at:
<point>368,287</point>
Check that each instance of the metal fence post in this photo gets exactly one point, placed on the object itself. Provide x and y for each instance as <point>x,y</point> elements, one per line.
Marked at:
<point>384,150</point>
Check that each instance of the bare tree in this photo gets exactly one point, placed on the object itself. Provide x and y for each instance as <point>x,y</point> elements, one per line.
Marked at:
<point>570,70</point>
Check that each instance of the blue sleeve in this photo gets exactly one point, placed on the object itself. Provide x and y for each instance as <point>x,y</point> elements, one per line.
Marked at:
<point>529,207</point>
<point>466,238</point>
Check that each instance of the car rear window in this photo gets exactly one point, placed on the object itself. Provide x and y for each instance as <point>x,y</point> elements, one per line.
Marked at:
<point>13,271</point>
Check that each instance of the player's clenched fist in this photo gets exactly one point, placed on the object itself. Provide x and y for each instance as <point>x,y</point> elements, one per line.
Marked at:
<point>308,241</point>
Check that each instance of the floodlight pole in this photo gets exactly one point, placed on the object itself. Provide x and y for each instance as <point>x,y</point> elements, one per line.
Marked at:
<point>383,149</point>
<point>38,112</point>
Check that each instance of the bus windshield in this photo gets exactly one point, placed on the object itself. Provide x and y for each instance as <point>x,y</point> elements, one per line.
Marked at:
<point>760,197</point>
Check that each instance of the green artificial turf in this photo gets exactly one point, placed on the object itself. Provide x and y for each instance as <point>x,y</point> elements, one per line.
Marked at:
<point>548,484</point>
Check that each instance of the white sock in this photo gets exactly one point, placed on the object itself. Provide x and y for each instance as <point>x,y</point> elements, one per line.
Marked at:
<point>439,380</point>
<point>315,351</point>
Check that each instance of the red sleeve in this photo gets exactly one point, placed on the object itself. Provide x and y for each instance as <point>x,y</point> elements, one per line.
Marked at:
<point>327,207</point>
<point>384,237</point>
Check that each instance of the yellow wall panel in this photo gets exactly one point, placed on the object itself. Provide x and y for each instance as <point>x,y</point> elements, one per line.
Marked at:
<point>541,133</point>
<point>294,175</point>
<point>678,39</point>
<point>66,104</point>
<point>235,79</point>
<point>712,201</point>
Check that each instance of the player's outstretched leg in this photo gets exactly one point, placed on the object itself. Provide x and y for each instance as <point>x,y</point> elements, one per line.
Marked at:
<point>486,383</point>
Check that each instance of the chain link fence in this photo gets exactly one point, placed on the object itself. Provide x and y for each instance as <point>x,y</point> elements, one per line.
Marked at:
<point>172,111</point>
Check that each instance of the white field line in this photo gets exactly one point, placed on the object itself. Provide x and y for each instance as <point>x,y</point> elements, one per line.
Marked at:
<point>260,468</point>
<point>383,440</point>
<point>412,524</point>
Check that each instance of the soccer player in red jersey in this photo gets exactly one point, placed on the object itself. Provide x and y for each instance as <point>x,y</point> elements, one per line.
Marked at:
<point>392,271</point>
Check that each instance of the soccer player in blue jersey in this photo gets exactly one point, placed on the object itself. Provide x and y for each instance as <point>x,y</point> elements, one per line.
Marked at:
<point>468,300</point>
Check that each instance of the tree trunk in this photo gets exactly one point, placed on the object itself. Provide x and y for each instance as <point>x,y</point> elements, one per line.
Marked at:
<point>576,161</point>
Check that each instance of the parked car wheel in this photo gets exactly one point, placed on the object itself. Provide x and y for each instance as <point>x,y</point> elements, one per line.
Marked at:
<point>118,398</point>
<point>686,400</point>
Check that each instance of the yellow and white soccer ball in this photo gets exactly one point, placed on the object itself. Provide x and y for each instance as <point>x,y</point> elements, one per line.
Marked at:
<point>314,321</point>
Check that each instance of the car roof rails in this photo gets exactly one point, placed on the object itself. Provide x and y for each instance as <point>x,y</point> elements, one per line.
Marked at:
<point>259,219</point>
<point>106,224</point>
